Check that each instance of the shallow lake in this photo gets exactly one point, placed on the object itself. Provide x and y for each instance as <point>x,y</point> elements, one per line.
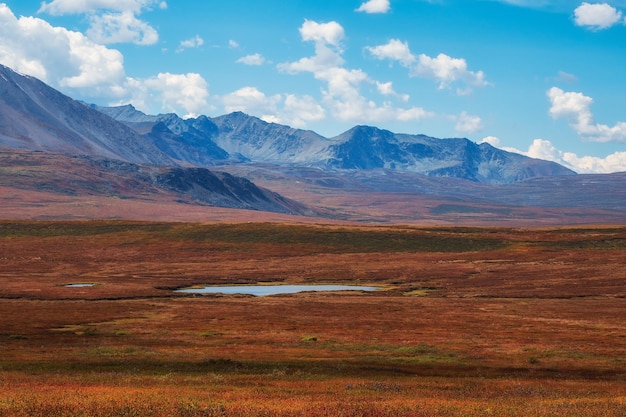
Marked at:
<point>261,290</point>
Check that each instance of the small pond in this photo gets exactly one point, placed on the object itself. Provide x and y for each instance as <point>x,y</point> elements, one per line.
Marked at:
<point>261,290</point>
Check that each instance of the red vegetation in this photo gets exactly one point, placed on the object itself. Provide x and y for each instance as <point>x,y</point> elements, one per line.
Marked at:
<point>469,322</point>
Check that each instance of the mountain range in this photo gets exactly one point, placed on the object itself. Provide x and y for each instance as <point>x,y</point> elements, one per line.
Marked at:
<point>221,162</point>
<point>241,138</point>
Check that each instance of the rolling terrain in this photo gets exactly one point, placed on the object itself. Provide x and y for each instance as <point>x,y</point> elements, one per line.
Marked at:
<point>38,185</point>
<point>88,177</point>
<point>467,321</point>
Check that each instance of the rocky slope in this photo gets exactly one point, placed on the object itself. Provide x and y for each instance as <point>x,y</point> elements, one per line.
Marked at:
<point>35,116</point>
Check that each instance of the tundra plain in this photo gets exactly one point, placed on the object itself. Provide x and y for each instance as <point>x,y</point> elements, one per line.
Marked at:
<point>469,321</point>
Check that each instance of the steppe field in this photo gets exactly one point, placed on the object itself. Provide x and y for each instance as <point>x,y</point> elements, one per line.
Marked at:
<point>467,321</point>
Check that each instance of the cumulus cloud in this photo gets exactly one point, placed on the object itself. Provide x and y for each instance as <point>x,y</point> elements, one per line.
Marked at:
<point>58,56</point>
<point>386,89</point>
<point>254,60</point>
<point>289,109</point>
<point>121,27</point>
<point>375,6</point>
<point>81,68</point>
<point>615,162</point>
<point>299,110</point>
<point>597,16</point>
<point>492,140</point>
<point>341,93</point>
<point>331,33</point>
<point>576,108</point>
<point>544,149</point>
<point>447,70</point>
<point>250,100</point>
<point>177,91</point>
<point>394,50</point>
<point>443,69</point>
<point>194,42</point>
<point>466,123</point>
<point>111,21</point>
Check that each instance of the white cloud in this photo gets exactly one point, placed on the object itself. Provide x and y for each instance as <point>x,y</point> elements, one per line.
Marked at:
<point>566,77</point>
<point>254,60</point>
<point>492,140</point>
<point>414,113</point>
<point>173,92</point>
<point>194,42</point>
<point>327,38</point>
<point>466,123</point>
<point>544,149</point>
<point>596,16</point>
<point>375,6</point>
<point>81,68</point>
<point>394,50</point>
<point>342,93</point>
<point>233,44</point>
<point>447,70</point>
<point>300,110</point>
<point>250,100</point>
<point>576,108</point>
<point>325,57</point>
<point>615,162</point>
<point>443,69</point>
<point>525,3</point>
<point>331,33</point>
<point>121,27</point>
<point>344,99</point>
<point>111,21</point>
<point>386,89</point>
<point>59,57</point>
<point>62,7</point>
<point>288,109</point>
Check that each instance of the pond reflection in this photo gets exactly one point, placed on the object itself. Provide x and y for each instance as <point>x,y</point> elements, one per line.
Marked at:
<point>261,290</point>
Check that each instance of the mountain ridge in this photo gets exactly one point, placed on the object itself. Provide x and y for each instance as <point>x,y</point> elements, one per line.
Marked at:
<point>249,139</point>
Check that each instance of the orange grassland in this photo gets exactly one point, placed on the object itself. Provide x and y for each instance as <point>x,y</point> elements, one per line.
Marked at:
<point>468,321</point>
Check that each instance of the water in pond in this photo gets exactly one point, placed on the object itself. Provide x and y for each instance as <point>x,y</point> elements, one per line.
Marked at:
<point>79,285</point>
<point>261,290</point>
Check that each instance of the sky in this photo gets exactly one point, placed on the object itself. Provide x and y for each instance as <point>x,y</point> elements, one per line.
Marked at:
<point>545,78</point>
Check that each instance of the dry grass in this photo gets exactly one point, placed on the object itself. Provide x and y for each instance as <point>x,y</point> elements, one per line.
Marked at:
<point>471,322</point>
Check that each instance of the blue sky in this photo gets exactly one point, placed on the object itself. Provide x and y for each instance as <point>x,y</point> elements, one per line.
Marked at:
<point>541,77</point>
